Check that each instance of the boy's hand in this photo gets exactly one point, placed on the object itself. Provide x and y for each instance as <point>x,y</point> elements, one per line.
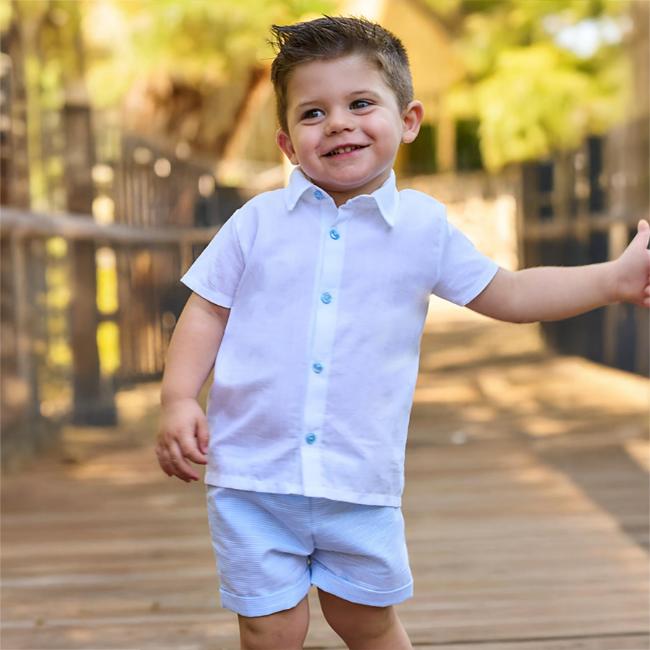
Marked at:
<point>183,436</point>
<point>632,273</point>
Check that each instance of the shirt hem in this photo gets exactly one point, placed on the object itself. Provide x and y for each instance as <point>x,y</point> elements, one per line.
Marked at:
<point>215,297</point>
<point>244,483</point>
<point>479,286</point>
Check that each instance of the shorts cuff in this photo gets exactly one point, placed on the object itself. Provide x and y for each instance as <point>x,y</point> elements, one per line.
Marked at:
<point>333,584</point>
<point>265,605</point>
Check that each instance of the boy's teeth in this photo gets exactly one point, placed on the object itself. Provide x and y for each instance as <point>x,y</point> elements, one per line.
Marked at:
<point>343,150</point>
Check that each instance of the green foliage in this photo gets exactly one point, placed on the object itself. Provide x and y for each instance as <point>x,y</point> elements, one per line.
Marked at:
<point>526,111</point>
<point>202,42</point>
<point>530,94</point>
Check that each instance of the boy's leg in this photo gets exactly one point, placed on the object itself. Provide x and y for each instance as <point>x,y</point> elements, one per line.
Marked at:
<point>363,627</point>
<point>285,630</point>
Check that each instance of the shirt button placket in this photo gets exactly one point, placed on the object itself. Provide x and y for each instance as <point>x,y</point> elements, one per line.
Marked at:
<point>325,305</point>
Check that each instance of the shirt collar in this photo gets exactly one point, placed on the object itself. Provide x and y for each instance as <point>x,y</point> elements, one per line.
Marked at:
<point>385,198</point>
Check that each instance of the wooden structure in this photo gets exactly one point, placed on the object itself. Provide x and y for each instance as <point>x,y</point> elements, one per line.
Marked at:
<point>574,212</point>
<point>56,268</point>
<point>36,389</point>
<point>526,512</point>
<point>154,211</point>
<point>80,164</point>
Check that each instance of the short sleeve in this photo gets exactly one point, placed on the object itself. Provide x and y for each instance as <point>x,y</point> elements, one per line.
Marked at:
<point>464,271</point>
<point>216,273</point>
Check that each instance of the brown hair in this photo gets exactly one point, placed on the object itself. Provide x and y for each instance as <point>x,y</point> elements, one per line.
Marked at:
<point>331,37</point>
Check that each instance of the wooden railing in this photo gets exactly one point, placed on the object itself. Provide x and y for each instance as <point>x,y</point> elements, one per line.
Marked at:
<point>582,207</point>
<point>139,298</point>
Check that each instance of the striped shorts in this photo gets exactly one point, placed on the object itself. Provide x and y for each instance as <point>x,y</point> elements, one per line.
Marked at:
<point>270,549</point>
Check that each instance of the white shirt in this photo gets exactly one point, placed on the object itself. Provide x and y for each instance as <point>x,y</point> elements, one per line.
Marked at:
<point>314,379</point>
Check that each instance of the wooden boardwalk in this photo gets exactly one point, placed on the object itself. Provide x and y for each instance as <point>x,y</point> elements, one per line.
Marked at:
<point>526,509</point>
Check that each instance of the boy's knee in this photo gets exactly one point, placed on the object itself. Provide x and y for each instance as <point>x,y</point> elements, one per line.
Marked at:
<point>285,630</point>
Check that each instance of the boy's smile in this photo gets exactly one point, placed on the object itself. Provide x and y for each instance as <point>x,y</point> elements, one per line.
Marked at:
<point>345,125</point>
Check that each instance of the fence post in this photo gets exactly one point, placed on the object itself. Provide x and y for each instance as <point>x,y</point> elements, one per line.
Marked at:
<point>94,401</point>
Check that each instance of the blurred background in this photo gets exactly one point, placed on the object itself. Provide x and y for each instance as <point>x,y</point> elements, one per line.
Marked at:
<point>131,130</point>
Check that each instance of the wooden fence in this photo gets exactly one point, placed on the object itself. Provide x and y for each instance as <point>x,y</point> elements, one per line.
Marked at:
<point>89,301</point>
<point>39,333</point>
<point>582,207</point>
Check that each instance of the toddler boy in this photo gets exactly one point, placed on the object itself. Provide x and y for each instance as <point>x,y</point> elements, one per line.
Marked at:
<point>315,297</point>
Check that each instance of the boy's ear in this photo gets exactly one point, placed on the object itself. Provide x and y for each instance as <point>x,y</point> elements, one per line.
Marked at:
<point>411,120</point>
<point>284,142</point>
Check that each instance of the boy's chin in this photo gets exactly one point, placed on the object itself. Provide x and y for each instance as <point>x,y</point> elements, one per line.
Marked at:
<point>339,187</point>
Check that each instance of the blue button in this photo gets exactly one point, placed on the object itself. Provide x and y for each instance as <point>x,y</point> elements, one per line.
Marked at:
<point>310,438</point>
<point>317,368</point>
<point>319,195</point>
<point>326,298</point>
<point>334,234</point>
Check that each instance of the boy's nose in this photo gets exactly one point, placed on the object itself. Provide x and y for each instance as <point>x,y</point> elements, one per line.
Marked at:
<point>338,121</point>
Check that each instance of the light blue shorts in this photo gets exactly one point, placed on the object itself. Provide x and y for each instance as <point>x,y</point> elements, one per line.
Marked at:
<point>270,548</point>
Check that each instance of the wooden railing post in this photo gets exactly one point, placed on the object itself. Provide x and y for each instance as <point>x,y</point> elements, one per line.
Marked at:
<point>25,367</point>
<point>94,401</point>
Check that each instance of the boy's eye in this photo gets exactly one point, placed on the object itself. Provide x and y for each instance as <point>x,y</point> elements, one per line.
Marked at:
<point>360,103</point>
<point>312,114</point>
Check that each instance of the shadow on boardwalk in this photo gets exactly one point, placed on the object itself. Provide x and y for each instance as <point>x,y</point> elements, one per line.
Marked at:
<point>526,509</point>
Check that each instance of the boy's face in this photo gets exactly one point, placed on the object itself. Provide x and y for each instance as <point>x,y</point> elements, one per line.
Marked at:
<point>345,125</point>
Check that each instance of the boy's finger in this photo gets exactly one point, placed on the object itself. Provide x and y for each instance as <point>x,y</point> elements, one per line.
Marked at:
<point>190,448</point>
<point>182,468</point>
<point>163,461</point>
<point>643,230</point>
<point>202,435</point>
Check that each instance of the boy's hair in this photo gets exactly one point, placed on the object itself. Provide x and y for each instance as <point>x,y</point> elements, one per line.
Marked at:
<point>331,37</point>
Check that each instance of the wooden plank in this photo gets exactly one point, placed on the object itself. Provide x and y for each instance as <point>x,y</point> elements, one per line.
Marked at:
<point>510,548</point>
<point>75,227</point>
<point>613,642</point>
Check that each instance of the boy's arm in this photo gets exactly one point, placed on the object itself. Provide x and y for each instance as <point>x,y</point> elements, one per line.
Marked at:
<point>192,351</point>
<point>553,293</point>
